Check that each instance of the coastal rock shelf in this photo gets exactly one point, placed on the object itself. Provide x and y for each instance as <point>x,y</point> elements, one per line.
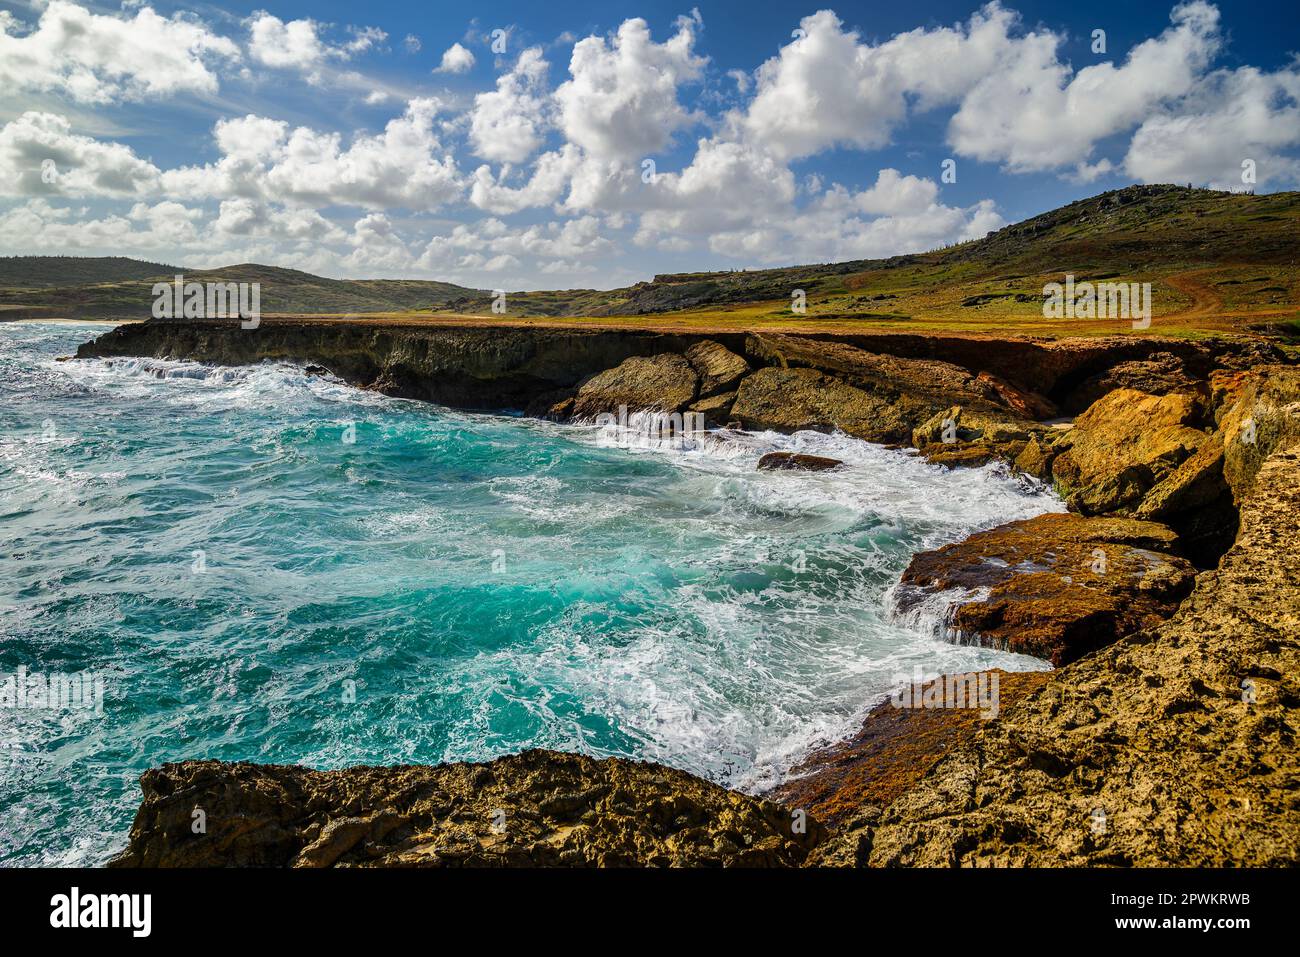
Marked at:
<point>539,808</point>
<point>1167,598</point>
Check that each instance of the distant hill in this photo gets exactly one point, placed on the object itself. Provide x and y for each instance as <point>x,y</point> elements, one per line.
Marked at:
<point>130,293</point>
<point>1139,230</point>
<point>39,272</point>
<point>1216,261</point>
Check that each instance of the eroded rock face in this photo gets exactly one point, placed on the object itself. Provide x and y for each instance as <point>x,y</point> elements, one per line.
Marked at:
<point>1259,413</point>
<point>718,367</point>
<point>538,808</point>
<point>1175,747</point>
<point>788,400</point>
<point>892,752</point>
<point>1124,445</point>
<point>666,382</point>
<point>1055,586</point>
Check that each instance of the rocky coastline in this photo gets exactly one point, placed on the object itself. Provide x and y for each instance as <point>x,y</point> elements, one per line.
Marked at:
<point>1167,598</point>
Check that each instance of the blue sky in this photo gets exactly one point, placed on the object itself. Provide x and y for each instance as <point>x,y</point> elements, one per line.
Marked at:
<point>394,139</point>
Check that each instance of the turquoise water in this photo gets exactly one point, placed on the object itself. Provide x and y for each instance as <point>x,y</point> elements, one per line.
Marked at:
<point>210,543</point>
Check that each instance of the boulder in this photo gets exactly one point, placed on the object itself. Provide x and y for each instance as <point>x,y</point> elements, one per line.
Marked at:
<point>791,399</point>
<point>535,809</point>
<point>715,409</point>
<point>1123,446</point>
<point>774,461</point>
<point>915,389</point>
<point>718,367</point>
<point>665,382</point>
<point>1056,586</point>
<point>1158,374</point>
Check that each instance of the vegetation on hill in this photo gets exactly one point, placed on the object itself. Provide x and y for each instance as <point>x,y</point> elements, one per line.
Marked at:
<point>282,291</point>
<point>1216,261</point>
<point>41,272</point>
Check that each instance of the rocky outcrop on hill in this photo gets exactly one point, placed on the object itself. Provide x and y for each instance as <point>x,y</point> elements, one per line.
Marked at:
<point>1056,586</point>
<point>536,809</point>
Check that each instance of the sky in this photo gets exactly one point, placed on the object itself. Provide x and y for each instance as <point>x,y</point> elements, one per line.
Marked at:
<point>523,145</point>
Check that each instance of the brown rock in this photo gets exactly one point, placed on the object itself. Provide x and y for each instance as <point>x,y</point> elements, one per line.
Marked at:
<point>1123,446</point>
<point>792,399</point>
<point>792,460</point>
<point>715,409</point>
<point>892,751</point>
<point>666,382</point>
<point>1172,749</point>
<point>538,808</point>
<point>1031,405</point>
<point>1055,586</point>
<point>1259,414</point>
<point>1158,374</point>
<point>1037,456</point>
<point>718,367</point>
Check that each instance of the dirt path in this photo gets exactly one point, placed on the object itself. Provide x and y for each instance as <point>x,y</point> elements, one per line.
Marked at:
<point>1206,300</point>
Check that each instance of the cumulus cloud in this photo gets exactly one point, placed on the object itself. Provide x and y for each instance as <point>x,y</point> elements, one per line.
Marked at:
<point>507,124</point>
<point>829,88</point>
<point>298,44</point>
<point>405,166</point>
<point>621,99</point>
<point>455,59</point>
<point>1031,114</point>
<point>1236,116</point>
<point>39,154</point>
<point>102,58</point>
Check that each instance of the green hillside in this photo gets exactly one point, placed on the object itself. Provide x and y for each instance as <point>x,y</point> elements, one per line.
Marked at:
<point>282,290</point>
<point>40,272</point>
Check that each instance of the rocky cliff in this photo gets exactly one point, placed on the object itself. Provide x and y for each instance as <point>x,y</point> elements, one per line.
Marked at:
<point>1166,736</point>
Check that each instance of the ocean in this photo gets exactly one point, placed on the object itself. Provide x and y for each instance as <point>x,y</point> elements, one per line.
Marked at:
<point>260,564</point>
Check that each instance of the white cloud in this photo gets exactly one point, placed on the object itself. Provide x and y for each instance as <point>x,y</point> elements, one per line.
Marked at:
<point>507,124</point>
<point>405,166</point>
<point>1031,114</point>
<point>298,44</point>
<point>39,154</point>
<point>412,43</point>
<point>1236,115</point>
<point>455,59</point>
<point>97,58</point>
<point>551,175</point>
<point>827,87</point>
<point>621,100</point>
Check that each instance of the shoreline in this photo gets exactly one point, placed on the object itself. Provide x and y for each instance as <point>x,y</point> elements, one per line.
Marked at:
<point>789,381</point>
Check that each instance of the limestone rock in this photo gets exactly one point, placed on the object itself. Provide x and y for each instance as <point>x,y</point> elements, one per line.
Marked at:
<point>535,809</point>
<point>792,399</point>
<point>715,409</point>
<point>1124,445</point>
<point>718,367</point>
<point>1179,741</point>
<point>1260,413</point>
<point>1028,404</point>
<point>665,382</point>
<point>1055,586</point>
